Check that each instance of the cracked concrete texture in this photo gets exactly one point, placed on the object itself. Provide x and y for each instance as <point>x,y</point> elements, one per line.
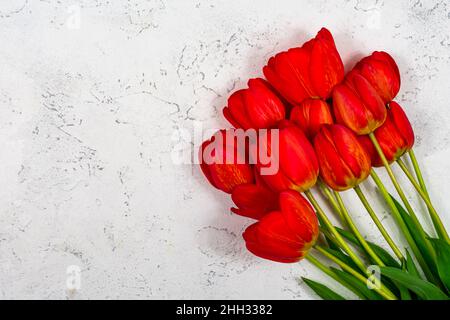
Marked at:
<point>92,93</point>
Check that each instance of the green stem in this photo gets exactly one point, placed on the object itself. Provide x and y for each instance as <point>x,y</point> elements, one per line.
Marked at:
<point>437,222</point>
<point>397,185</point>
<point>356,232</point>
<point>416,167</point>
<point>325,189</point>
<point>331,199</point>
<point>323,268</point>
<point>334,232</point>
<point>378,223</point>
<point>326,270</point>
<point>383,291</point>
<point>402,225</point>
<point>329,235</point>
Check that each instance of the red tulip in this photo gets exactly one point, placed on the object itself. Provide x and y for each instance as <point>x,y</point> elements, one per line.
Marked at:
<point>382,72</point>
<point>224,163</point>
<point>367,144</point>
<point>343,161</point>
<point>310,71</point>
<point>256,107</point>
<point>395,136</point>
<point>310,115</point>
<point>294,160</point>
<point>285,235</point>
<point>357,105</point>
<point>254,200</point>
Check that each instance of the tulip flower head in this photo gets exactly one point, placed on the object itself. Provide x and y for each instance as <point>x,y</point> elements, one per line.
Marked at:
<point>357,105</point>
<point>310,115</point>
<point>382,73</point>
<point>224,163</point>
<point>256,107</point>
<point>367,144</point>
<point>343,161</point>
<point>310,71</point>
<point>395,136</point>
<point>297,163</point>
<point>254,200</point>
<point>285,235</point>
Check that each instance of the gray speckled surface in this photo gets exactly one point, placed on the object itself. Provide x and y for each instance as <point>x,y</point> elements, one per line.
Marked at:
<point>91,93</point>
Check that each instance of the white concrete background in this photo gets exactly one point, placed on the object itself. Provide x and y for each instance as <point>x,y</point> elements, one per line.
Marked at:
<point>91,93</point>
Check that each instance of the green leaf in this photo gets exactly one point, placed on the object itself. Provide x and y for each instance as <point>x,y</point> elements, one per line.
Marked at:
<point>359,288</point>
<point>404,292</point>
<point>422,288</point>
<point>380,252</point>
<point>331,244</point>
<point>322,291</point>
<point>442,249</point>
<point>418,238</point>
<point>329,241</point>
<point>343,257</point>
<point>410,266</point>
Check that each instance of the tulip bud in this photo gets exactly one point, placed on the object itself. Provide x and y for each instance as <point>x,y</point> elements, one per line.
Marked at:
<point>357,105</point>
<point>254,200</point>
<point>223,161</point>
<point>285,235</point>
<point>295,158</point>
<point>310,115</point>
<point>257,107</point>
<point>382,72</point>
<point>395,136</point>
<point>310,71</point>
<point>343,161</point>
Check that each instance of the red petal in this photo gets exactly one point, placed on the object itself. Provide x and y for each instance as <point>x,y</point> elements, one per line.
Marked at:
<point>264,107</point>
<point>333,170</point>
<point>349,110</point>
<point>254,201</point>
<point>297,158</point>
<point>376,110</point>
<point>299,215</point>
<point>402,122</point>
<point>237,112</point>
<point>351,152</point>
<point>326,68</point>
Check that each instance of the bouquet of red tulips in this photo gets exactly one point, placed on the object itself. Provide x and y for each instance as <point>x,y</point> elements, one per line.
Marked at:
<point>310,125</point>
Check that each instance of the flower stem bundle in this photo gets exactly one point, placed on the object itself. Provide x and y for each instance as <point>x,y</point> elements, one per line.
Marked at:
<point>316,127</point>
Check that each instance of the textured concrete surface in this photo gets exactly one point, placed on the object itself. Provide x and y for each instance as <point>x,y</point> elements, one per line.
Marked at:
<point>91,93</point>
